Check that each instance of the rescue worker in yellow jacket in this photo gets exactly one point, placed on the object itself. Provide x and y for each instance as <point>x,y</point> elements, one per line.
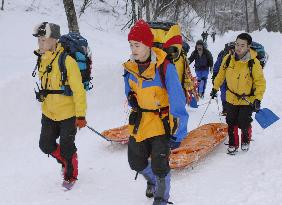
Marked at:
<point>61,114</point>
<point>158,118</point>
<point>245,88</point>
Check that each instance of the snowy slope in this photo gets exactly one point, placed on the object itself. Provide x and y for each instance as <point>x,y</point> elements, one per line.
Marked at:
<point>28,177</point>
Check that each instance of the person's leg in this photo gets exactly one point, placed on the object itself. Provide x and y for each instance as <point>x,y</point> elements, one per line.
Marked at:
<point>244,122</point>
<point>199,75</point>
<point>49,134</point>
<point>232,121</point>
<point>160,167</point>
<point>138,154</point>
<point>68,149</point>
<point>205,75</point>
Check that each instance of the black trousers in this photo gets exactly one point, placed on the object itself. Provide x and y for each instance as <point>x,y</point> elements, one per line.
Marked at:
<point>156,147</point>
<point>240,115</point>
<point>52,130</point>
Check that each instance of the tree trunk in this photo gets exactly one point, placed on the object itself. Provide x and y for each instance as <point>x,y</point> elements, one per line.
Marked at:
<point>278,16</point>
<point>176,12</point>
<point>71,16</point>
<point>2,7</point>
<point>147,5</point>
<point>205,14</point>
<point>257,22</point>
<point>247,17</point>
<point>134,17</point>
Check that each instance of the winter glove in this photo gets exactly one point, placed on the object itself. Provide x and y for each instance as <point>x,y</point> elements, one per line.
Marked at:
<point>80,122</point>
<point>173,145</point>
<point>132,100</point>
<point>256,105</point>
<point>213,93</point>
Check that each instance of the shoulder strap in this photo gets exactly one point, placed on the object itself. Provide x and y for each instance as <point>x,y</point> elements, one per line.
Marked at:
<point>162,71</point>
<point>227,62</point>
<point>62,67</point>
<point>250,66</point>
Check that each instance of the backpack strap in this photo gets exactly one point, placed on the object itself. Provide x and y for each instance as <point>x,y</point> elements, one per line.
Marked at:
<point>62,67</point>
<point>250,66</point>
<point>227,62</point>
<point>162,71</point>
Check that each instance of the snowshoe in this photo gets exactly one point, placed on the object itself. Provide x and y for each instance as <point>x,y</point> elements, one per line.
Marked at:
<point>232,150</point>
<point>245,146</point>
<point>150,190</point>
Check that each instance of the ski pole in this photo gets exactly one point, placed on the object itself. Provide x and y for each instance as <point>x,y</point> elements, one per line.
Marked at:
<point>218,110</point>
<point>204,112</point>
<point>98,133</point>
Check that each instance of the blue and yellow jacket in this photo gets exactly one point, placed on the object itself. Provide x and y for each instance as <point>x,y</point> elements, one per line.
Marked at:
<point>152,95</point>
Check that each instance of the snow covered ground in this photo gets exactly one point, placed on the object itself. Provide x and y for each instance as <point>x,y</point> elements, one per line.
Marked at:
<point>28,177</point>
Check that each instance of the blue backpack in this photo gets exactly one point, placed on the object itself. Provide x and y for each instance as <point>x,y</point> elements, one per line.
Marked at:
<point>77,47</point>
<point>261,54</point>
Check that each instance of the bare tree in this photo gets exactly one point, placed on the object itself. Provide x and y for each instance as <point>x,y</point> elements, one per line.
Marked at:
<point>71,16</point>
<point>147,6</point>
<point>134,17</point>
<point>247,16</point>
<point>278,15</point>
<point>86,4</point>
<point>2,7</point>
<point>257,22</point>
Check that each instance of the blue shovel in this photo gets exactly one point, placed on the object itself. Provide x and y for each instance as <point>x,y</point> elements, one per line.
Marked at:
<point>265,117</point>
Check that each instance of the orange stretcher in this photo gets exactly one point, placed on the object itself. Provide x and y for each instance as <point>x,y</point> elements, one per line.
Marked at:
<point>194,147</point>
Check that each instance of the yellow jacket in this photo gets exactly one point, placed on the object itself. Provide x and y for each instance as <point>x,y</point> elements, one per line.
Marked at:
<point>240,81</point>
<point>57,106</point>
<point>152,95</point>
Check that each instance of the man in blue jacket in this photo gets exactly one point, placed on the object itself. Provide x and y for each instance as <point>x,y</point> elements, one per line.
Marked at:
<point>203,63</point>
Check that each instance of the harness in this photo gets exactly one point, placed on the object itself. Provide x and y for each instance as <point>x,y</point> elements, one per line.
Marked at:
<point>250,66</point>
<point>43,92</point>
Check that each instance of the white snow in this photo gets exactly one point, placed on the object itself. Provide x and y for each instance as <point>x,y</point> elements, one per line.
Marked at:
<point>28,177</point>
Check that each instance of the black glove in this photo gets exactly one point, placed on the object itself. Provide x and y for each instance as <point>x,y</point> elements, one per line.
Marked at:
<point>256,105</point>
<point>213,93</point>
<point>132,100</point>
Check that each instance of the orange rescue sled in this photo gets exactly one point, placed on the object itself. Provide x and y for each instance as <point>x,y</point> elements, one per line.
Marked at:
<point>194,147</point>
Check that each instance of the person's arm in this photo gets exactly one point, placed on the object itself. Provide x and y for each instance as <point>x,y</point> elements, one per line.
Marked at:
<point>192,57</point>
<point>220,77</point>
<point>259,80</point>
<point>75,83</point>
<point>177,102</point>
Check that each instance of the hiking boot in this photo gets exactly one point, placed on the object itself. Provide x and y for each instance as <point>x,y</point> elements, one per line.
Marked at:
<point>150,190</point>
<point>245,146</point>
<point>232,150</point>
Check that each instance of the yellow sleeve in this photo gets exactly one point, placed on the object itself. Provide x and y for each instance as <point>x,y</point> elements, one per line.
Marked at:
<point>259,80</point>
<point>220,77</point>
<point>75,83</point>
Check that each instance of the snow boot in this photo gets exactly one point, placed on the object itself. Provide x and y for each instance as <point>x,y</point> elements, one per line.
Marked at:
<point>161,195</point>
<point>151,180</point>
<point>232,150</point>
<point>245,146</point>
